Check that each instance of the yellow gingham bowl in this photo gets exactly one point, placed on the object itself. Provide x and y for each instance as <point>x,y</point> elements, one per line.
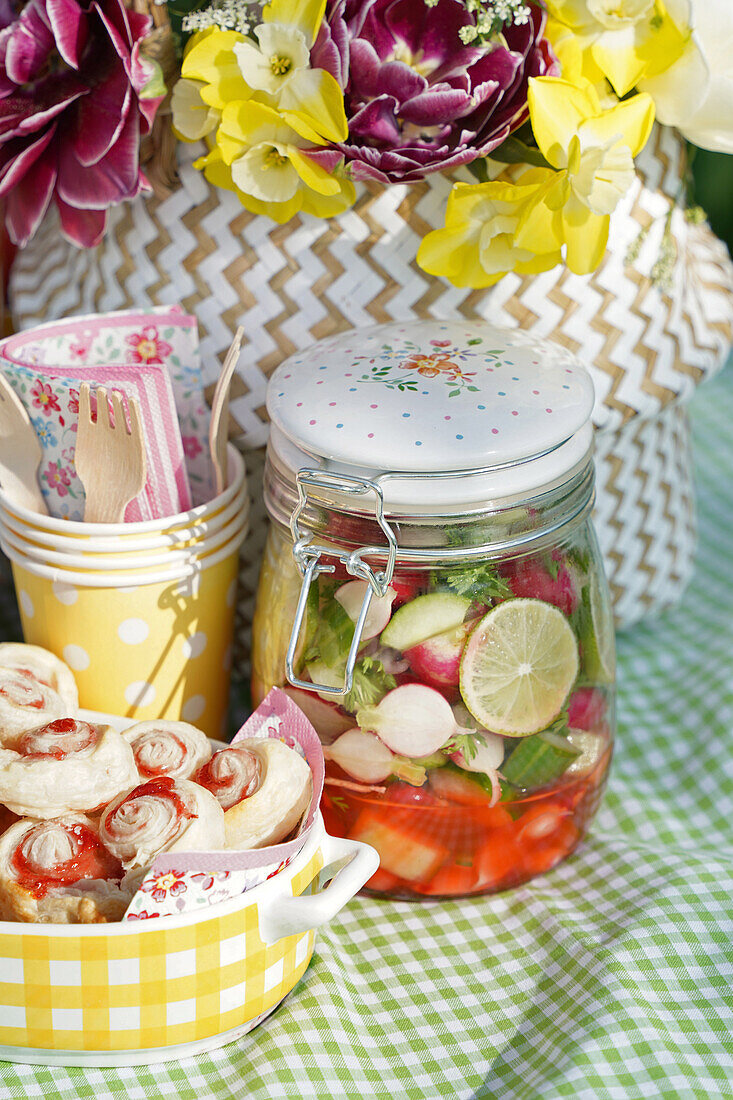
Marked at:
<point>148,991</point>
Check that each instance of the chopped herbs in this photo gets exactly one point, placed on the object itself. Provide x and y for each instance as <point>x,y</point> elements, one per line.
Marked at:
<point>481,583</point>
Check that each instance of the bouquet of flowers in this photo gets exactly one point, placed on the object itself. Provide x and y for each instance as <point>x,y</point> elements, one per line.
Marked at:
<point>537,108</point>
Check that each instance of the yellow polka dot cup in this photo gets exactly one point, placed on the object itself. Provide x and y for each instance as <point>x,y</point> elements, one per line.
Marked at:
<point>151,990</point>
<point>147,630</point>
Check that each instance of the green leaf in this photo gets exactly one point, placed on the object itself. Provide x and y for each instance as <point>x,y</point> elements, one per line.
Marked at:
<point>467,744</point>
<point>370,684</point>
<point>155,87</point>
<point>333,634</point>
<point>482,583</point>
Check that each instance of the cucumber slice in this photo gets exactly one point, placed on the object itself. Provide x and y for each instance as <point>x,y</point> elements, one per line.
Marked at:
<point>539,760</point>
<point>402,851</point>
<point>597,641</point>
<point>465,788</point>
<point>424,617</point>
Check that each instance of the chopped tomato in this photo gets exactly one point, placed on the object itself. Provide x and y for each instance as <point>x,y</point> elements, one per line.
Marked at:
<point>498,860</point>
<point>452,880</point>
<point>383,882</point>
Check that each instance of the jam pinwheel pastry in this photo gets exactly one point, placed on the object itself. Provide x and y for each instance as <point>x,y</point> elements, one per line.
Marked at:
<point>264,788</point>
<point>65,766</point>
<point>45,667</point>
<point>175,749</point>
<point>58,871</point>
<point>161,815</point>
<point>26,702</point>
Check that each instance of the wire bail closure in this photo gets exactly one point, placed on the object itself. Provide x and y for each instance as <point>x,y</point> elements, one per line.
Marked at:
<point>307,556</point>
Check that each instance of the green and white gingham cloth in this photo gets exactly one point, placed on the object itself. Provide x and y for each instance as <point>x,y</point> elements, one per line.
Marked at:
<point>610,978</point>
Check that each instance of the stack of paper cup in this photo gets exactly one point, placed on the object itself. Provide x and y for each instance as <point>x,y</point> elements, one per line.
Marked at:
<point>142,612</point>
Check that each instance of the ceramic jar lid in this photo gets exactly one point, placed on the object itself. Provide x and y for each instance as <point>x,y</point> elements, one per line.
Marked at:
<point>434,396</point>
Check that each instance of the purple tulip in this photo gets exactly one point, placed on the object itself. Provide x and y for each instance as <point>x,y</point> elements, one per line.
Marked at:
<point>72,114</point>
<point>417,99</point>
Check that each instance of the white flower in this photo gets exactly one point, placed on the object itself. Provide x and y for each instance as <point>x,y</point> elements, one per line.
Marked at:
<point>283,52</point>
<point>696,94</point>
<point>192,118</point>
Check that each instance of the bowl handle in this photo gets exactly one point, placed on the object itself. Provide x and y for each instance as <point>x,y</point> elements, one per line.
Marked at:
<point>352,864</point>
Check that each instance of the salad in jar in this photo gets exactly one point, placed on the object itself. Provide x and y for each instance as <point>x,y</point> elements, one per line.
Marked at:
<point>473,745</point>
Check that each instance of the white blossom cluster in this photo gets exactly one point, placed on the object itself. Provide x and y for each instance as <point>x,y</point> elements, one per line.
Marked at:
<point>227,15</point>
<point>491,17</point>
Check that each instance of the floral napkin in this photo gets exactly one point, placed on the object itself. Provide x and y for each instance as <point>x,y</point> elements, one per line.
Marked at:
<point>181,881</point>
<point>153,355</point>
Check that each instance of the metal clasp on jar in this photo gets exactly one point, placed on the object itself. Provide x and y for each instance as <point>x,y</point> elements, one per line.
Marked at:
<point>308,554</point>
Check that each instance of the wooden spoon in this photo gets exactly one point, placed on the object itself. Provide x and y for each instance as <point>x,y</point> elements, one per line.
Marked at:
<point>218,428</point>
<point>20,451</point>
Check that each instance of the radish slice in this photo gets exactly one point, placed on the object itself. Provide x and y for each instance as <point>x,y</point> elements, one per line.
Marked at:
<point>488,756</point>
<point>362,755</point>
<point>438,659</point>
<point>351,597</point>
<point>412,720</point>
<point>365,757</point>
<point>326,719</point>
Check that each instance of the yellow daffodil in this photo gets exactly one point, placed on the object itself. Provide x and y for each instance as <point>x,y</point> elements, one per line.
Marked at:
<point>278,70</point>
<point>478,245</point>
<point>576,62</point>
<point>267,163</point>
<point>593,151</point>
<point>628,40</point>
<point>210,60</point>
<point>305,15</point>
<point>275,70</point>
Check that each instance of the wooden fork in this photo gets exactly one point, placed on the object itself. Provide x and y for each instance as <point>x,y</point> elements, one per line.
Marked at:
<point>20,451</point>
<point>110,459</point>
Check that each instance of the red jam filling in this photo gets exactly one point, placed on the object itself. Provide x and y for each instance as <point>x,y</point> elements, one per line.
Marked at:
<point>90,860</point>
<point>21,689</point>
<point>58,739</point>
<point>231,775</point>
<point>160,787</point>
<point>145,769</point>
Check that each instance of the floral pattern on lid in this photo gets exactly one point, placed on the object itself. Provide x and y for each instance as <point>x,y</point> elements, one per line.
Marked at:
<point>430,395</point>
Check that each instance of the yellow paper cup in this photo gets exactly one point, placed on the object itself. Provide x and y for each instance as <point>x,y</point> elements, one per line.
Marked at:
<point>125,561</point>
<point>145,619</point>
<point>156,645</point>
<point>175,538</point>
<point>198,517</point>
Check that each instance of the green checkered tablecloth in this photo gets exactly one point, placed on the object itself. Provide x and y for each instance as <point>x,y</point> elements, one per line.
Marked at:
<point>609,978</point>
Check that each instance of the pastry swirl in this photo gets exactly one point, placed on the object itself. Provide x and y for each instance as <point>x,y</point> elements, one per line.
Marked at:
<point>63,767</point>
<point>271,785</point>
<point>161,815</point>
<point>231,775</point>
<point>59,871</point>
<point>44,666</point>
<point>25,702</point>
<point>175,749</point>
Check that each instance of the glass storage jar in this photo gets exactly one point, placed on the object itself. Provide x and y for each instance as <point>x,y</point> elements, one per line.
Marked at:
<point>432,595</point>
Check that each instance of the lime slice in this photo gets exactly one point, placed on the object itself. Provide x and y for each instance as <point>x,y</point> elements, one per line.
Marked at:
<point>518,667</point>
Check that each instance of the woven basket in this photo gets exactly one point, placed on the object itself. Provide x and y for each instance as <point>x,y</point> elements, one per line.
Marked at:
<point>647,347</point>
